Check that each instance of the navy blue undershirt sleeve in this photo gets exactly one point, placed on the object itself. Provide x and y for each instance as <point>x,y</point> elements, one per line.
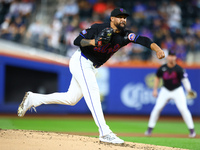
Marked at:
<point>144,41</point>
<point>77,41</point>
<point>86,34</point>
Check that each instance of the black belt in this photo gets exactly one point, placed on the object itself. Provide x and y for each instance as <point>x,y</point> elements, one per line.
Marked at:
<point>95,65</point>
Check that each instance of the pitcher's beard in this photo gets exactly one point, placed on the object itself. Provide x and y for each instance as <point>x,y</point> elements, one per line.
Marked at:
<point>120,27</point>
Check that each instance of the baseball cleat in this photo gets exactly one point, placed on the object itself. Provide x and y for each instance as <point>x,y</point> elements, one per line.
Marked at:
<point>192,135</point>
<point>25,105</point>
<point>111,138</point>
<point>147,133</point>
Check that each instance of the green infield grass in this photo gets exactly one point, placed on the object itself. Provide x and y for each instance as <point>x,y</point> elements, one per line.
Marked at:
<point>87,125</point>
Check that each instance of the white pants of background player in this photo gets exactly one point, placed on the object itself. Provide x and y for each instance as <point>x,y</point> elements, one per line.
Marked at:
<point>179,98</point>
<point>83,83</point>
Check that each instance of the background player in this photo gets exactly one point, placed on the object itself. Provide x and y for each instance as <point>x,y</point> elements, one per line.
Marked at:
<point>97,44</point>
<point>172,75</point>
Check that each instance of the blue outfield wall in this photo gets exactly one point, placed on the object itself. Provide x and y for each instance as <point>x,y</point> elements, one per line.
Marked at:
<point>123,90</point>
<point>131,92</point>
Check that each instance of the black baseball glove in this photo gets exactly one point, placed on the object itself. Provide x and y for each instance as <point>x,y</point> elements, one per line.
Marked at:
<point>104,37</point>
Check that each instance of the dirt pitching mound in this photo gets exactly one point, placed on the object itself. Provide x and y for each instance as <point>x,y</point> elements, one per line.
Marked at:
<point>39,140</point>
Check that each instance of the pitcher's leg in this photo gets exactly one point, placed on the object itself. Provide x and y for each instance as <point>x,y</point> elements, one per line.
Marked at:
<point>90,89</point>
<point>92,98</point>
<point>71,97</point>
<point>84,72</point>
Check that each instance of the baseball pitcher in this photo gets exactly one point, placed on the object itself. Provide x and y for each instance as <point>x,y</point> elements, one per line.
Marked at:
<point>96,45</point>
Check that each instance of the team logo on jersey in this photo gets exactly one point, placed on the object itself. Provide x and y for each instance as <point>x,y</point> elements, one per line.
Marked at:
<point>131,36</point>
<point>84,31</point>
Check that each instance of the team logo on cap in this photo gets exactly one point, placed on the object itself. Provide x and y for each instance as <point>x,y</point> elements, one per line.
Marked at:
<point>131,36</point>
<point>121,9</point>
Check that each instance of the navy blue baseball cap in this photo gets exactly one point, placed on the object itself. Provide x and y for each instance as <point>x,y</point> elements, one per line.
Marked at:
<point>119,11</point>
<point>171,52</point>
